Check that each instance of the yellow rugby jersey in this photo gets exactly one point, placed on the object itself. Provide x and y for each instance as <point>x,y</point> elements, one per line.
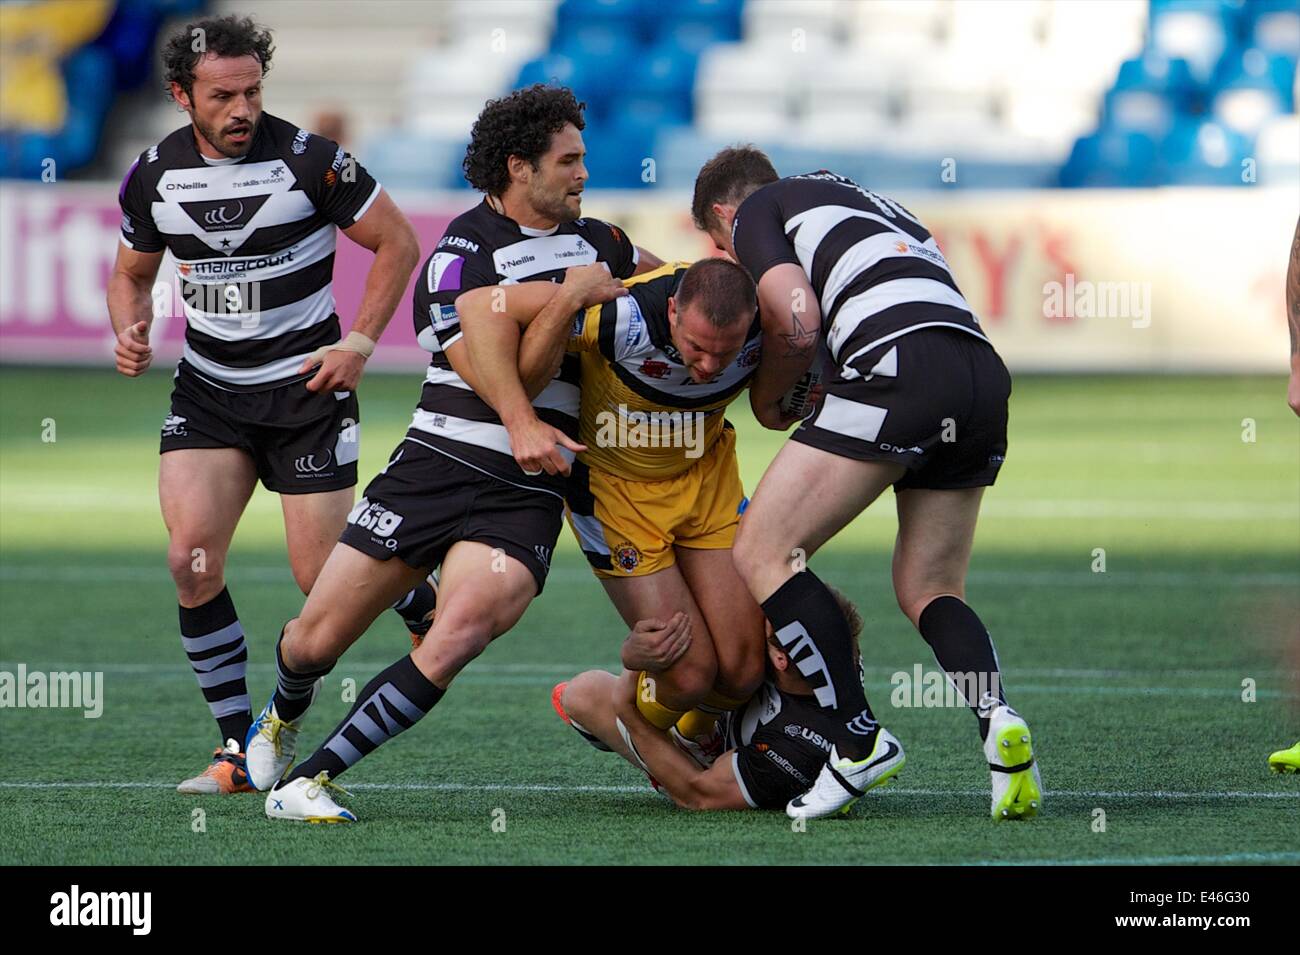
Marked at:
<point>642,416</point>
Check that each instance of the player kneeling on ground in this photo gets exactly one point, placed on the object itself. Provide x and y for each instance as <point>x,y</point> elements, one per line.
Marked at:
<point>776,743</point>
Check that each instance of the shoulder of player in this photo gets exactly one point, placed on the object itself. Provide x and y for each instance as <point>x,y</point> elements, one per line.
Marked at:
<point>171,151</point>
<point>467,234</point>
<point>300,147</point>
<point>592,229</point>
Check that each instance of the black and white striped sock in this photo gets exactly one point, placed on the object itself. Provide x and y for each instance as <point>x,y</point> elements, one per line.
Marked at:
<point>393,701</point>
<point>293,687</point>
<point>214,642</point>
<point>417,604</point>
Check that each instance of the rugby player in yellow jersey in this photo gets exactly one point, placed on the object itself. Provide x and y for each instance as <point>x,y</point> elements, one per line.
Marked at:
<point>655,497</point>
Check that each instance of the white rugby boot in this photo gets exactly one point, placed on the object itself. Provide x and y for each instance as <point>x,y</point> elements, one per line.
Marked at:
<point>272,743</point>
<point>842,781</point>
<point>306,800</point>
<point>1009,749</point>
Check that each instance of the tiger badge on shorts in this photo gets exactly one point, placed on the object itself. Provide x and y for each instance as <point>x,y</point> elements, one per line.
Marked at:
<point>627,556</point>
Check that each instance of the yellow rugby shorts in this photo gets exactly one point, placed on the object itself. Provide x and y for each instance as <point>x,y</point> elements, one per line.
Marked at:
<point>628,528</point>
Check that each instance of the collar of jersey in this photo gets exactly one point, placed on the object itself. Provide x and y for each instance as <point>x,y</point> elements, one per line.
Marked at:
<point>526,230</point>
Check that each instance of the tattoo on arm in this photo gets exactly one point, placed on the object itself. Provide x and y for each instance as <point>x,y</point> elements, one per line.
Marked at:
<point>800,340</point>
<point>1293,293</point>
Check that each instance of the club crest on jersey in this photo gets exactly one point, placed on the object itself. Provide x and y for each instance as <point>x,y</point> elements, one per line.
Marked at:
<point>627,556</point>
<point>300,142</point>
<point>654,368</point>
<point>224,215</point>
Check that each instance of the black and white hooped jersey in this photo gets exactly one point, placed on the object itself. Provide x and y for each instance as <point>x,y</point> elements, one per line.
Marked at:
<point>482,247</point>
<point>876,271</point>
<point>253,239</point>
<point>781,742</point>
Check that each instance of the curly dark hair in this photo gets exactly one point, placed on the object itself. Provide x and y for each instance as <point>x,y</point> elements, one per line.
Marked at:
<point>520,124</point>
<point>224,36</point>
<point>728,179</point>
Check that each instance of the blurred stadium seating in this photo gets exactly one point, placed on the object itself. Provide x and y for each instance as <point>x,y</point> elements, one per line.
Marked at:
<point>1019,93</point>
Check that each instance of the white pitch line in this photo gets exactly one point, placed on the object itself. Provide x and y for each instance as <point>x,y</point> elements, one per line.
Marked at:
<point>277,575</point>
<point>1158,795</point>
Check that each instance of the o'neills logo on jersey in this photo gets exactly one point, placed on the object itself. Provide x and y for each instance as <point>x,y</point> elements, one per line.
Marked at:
<point>185,185</point>
<point>515,263</point>
<point>224,215</point>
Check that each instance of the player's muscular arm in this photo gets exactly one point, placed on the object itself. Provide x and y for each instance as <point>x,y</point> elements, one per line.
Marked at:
<point>791,320</point>
<point>508,369</point>
<point>130,308</point>
<point>385,231</point>
<point>689,786</point>
<point>514,338</point>
<point>1293,320</point>
<point>646,261</point>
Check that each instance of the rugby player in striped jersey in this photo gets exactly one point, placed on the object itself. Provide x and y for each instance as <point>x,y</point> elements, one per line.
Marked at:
<point>249,207</point>
<point>917,400</point>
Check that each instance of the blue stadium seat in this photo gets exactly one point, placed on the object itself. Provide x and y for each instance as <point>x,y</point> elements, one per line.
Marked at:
<point>658,85</point>
<point>1111,159</point>
<point>628,17</point>
<point>1254,68</point>
<point>601,60</point>
<point>1203,153</point>
<point>1273,26</point>
<point>554,68</point>
<point>1155,73</point>
<point>692,25</point>
<point>617,153</point>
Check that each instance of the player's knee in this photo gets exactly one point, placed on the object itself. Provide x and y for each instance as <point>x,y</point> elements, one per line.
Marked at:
<point>688,681</point>
<point>309,644</point>
<point>197,571</point>
<point>740,674</point>
<point>455,642</point>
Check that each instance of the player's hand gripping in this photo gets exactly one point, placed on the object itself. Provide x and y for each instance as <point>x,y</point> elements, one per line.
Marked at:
<point>133,352</point>
<point>654,645</point>
<point>536,446</point>
<point>592,284</point>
